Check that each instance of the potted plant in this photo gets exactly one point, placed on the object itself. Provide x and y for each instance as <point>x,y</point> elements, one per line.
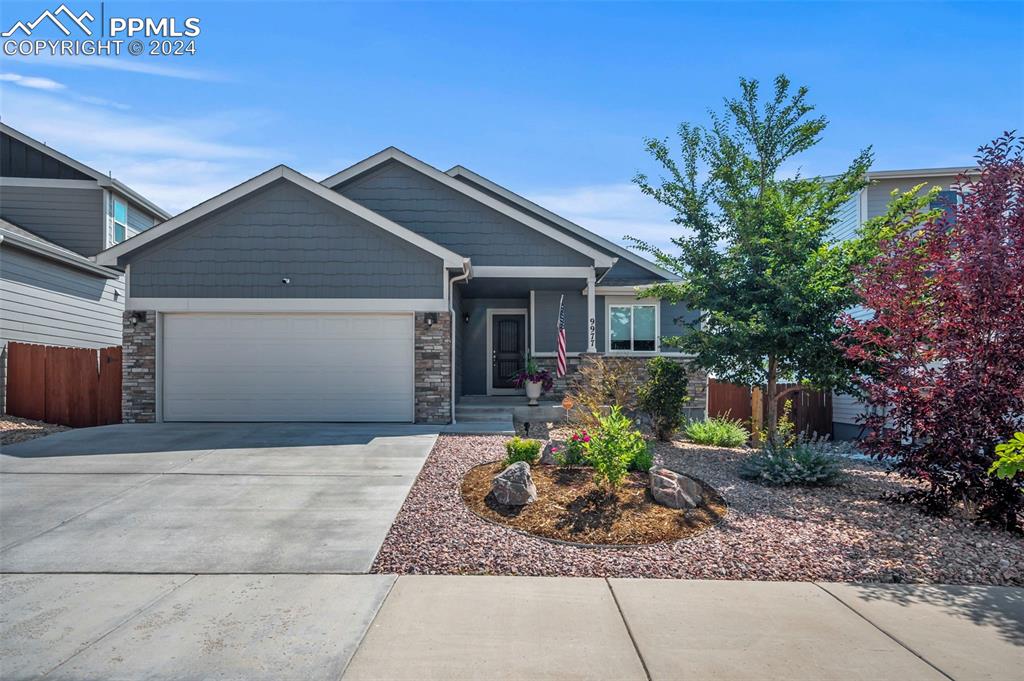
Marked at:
<point>536,381</point>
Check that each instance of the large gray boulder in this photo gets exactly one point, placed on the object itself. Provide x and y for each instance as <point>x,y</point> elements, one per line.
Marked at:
<point>514,485</point>
<point>674,490</point>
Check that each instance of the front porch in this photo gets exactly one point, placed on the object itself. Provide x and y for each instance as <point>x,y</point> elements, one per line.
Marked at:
<point>500,320</point>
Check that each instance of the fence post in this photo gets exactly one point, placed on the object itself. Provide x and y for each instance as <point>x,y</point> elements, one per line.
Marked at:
<point>756,416</point>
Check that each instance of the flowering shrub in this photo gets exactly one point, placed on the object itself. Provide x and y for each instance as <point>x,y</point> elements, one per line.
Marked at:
<point>574,451</point>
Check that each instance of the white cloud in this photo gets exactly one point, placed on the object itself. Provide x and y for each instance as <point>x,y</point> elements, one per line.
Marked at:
<point>113,63</point>
<point>613,211</point>
<point>175,163</point>
<point>31,82</point>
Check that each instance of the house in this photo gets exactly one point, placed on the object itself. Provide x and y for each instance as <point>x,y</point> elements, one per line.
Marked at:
<point>387,292</point>
<point>868,203</point>
<point>55,213</point>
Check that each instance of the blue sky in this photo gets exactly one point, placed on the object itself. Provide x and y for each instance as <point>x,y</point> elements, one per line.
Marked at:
<point>552,100</point>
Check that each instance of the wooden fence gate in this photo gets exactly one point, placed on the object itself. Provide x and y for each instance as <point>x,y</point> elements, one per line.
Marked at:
<point>77,387</point>
<point>812,409</point>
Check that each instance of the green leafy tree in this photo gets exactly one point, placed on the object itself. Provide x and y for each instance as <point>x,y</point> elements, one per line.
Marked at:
<point>755,256</point>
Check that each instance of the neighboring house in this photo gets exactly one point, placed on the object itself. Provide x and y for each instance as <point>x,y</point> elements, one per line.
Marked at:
<point>384,293</point>
<point>868,203</point>
<point>55,213</point>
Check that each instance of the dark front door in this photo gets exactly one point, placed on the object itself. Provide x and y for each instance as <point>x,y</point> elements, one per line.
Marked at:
<point>508,345</point>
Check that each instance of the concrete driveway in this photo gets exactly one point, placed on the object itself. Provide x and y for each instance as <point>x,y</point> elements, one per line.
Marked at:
<point>173,551</point>
<point>206,498</point>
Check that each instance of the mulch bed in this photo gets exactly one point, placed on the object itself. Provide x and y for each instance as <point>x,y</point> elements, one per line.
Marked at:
<point>844,533</point>
<point>14,429</point>
<point>570,507</point>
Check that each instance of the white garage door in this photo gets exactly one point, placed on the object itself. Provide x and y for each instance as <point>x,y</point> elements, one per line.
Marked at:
<point>287,367</point>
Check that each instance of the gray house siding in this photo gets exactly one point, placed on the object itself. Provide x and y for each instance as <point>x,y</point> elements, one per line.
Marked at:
<point>473,340</point>
<point>545,314</point>
<point>17,159</point>
<point>72,218</point>
<point>545,317</point>
<point>627,273</point>
<point>848,219</point>
<point>880,192</point>
<point>46,303</point>
<point>280,232</point>
<point>455,221</point>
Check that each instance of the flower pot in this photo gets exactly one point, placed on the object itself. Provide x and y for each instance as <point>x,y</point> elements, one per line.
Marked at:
<point>533,391</point>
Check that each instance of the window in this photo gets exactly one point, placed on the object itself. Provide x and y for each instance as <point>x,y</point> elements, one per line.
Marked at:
<point>632,328</point>
<point>947,201</point>
<point>118,220</point>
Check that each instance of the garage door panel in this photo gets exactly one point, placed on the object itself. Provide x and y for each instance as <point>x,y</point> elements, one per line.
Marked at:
<point>281,367</point>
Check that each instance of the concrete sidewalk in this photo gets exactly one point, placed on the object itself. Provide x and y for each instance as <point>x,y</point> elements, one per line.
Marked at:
<point>319,627</point>
<point>519,628</point>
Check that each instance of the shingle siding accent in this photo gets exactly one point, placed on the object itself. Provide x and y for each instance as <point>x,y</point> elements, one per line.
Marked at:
<point>138,387</point>
<point>284,231</point>
<point>456,221</point>
<point>72,218</point>
<point>433,368</point>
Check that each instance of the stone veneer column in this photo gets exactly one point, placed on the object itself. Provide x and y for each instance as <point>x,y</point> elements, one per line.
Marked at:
<point>433,368</point>
<point>138,382</point>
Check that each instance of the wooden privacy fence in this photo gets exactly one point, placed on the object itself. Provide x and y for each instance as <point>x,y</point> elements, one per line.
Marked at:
<point>76,387</point>
<point>812,409</point>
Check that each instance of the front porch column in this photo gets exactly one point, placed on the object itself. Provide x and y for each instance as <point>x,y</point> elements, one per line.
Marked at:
<point>591,314</point>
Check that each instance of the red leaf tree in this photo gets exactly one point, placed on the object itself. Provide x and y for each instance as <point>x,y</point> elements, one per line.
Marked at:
<point>943,356</point>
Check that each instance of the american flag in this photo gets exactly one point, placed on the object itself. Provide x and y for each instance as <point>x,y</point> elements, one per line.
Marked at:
<point>560,370</point>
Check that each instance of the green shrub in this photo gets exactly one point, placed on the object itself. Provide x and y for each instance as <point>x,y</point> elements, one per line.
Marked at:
<point>806,462</point>
<point>575,449</point>
<point>717,431</point>
<point>642,460</point>
<point>663,396</point>
<point>1009,458</point>
<point>614,448</point>
<point>521,449</point>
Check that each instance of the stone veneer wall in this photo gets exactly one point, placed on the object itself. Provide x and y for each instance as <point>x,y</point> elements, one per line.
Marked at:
<point>433,368</point>
<point>697,386</point>
<point>138,385</point>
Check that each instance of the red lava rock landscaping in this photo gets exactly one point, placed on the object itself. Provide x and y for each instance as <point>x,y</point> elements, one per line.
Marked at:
<point>844,533</point>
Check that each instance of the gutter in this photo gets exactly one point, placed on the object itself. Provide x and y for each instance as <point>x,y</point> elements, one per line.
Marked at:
<point>467,272</point>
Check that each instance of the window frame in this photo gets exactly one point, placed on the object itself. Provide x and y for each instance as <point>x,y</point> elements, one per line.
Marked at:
<point>611,305</point>
<point>113,223</point>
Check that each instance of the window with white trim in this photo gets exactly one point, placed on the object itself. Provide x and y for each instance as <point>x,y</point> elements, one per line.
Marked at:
<point>632,328</point>
<point>118,220</point>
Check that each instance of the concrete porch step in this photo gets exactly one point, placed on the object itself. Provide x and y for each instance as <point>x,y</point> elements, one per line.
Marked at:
<point>488,416</point>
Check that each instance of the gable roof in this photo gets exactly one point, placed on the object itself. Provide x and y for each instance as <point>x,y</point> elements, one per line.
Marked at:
<point>103,180</point>
<point>601,258</point>
<point>19,237</point>
<point>114,254</point>
<point>582,232</point>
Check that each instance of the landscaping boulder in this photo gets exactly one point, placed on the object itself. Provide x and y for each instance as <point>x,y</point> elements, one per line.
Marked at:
<point>514,485</point>
<point>674,490</point>
<point>547,457</point>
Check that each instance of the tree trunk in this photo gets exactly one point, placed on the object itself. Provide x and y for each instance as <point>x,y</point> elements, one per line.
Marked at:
<point>770,395</point>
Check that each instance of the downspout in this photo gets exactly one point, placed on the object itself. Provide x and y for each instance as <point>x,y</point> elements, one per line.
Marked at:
<point>467,272</point>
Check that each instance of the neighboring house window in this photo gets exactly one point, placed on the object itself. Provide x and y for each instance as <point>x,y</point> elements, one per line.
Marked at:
<point>119,220</point>
<point>632,328</point>
<point>946,200</point>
